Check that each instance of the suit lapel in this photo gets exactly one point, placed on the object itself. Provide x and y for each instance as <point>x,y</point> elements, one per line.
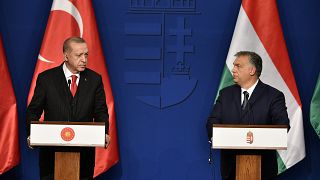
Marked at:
<point>237,98</point>
<point>82,88</point>
<point>62,85</point>
<point>257,92</point>
<point>62,88</point>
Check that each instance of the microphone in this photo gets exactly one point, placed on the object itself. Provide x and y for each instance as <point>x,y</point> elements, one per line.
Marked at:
<point>210,153</point>
<point>70,114</point>
<point>69,83</point>
<point>210,160</point>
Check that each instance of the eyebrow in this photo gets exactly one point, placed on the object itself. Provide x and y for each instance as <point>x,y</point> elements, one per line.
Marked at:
<point>236,64</point>
<point>78,54</point>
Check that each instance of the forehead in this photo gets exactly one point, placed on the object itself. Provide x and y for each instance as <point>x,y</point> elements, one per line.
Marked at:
<point>241,60</point>
<point>78,47</point>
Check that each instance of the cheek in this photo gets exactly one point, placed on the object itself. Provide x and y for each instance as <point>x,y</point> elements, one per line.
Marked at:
<point>72,60</point>
<point>78,62</point>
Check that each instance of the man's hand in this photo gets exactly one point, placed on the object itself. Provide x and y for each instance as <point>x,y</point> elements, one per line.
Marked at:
<point>28,141</point>
<point>108,140</point>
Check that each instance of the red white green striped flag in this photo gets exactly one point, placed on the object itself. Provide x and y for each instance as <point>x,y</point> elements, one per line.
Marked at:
<point>258,29</point>
<point>315,108</point>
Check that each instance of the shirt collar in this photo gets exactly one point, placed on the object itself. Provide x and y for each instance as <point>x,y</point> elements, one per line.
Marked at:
<point>251,89</point>
<point>67,72</point>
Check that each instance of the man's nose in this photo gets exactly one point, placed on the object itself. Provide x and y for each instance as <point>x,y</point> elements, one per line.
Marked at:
<point>233,70</point>
<point>83,58</point>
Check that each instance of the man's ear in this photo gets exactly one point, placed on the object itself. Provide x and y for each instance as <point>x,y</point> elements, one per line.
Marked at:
<point>253,71</point>
<point>65,56</point>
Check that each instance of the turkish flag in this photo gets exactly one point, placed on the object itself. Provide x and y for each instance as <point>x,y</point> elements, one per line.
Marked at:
<point>9,138</point>
<point>76,18</point>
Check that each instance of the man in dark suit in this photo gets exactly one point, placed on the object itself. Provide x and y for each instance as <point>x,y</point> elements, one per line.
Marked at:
<point>249,101</point>
<point>69,92</point>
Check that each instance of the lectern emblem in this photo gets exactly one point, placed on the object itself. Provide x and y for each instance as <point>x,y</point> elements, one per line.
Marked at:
<point>67,134</point>
<point>249,137</point>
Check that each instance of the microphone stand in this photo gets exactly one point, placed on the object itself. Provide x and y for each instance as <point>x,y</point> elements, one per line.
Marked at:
<point>70,114</point>
<point>210,153</point>
<point>210,160</point>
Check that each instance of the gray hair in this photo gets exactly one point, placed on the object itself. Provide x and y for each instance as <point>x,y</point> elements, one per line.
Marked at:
<point>74,39</point>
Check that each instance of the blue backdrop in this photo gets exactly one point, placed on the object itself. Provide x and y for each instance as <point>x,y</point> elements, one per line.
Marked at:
<point>164,95</point>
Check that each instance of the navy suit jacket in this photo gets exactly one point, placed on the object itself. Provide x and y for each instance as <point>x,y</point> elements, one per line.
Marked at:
<point>53,96</point>
<point>266,106</point>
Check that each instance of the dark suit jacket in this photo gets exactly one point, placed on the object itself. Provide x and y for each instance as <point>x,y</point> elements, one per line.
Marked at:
<point>52,95</point>
<point>266,106</point>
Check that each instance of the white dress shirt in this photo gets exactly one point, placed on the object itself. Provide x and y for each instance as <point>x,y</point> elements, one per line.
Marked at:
<point>250,91</point>
<point>68,74</point>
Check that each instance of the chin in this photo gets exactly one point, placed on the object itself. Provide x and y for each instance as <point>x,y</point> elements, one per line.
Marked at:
<point>235,80</point>
<point>81,69</point>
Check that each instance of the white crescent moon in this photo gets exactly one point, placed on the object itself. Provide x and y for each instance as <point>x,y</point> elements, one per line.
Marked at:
<point>68,7</point>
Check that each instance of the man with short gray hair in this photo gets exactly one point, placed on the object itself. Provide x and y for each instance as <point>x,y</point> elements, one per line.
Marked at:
<point>249,101</point>
<point>69,92</point>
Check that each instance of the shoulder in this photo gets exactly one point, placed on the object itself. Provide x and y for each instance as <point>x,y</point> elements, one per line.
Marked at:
<point>90,73</point>
<point>269,93</point>
<point>229,92</point>
<point>50,72</point>
<point>270,89</point>
<point>230,89</point>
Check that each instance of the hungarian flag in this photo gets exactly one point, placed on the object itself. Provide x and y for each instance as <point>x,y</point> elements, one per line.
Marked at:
<point>258,29</point>
<point>76,18</point>
<point>315,108</point>
<point>9,139</point>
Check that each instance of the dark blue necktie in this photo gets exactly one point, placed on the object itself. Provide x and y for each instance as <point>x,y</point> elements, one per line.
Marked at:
<point>245,100</point>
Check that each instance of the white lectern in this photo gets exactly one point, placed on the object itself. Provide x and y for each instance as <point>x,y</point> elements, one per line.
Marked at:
<point>81,134</point>
<point>272,137</point>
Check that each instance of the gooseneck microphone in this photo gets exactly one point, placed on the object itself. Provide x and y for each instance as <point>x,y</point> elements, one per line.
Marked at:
<point>210,160</point>
<point>69,83</point>
<point>70,114</point>
<point>210,152</point>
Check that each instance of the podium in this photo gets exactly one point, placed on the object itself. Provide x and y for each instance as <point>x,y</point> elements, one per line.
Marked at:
<point>67,134</point>
<point>255,137</point>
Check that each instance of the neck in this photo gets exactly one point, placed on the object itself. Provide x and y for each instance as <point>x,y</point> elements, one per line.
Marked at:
<point>71,70</point>
<point>249,83</point>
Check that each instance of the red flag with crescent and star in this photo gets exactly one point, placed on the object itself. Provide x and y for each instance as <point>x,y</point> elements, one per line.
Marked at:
<point>9,138</point>
<point>76,18</point>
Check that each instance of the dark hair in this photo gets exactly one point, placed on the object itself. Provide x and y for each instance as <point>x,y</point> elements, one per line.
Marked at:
<point>254,59</point>
<point>75,39</point>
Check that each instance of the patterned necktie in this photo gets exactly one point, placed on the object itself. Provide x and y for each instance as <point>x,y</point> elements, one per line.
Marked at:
<point>245,100</point>
<point>74,85</point>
